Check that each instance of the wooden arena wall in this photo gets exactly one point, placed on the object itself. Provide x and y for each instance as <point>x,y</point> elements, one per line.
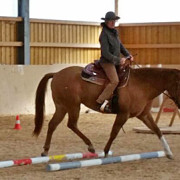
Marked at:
<point>63,42</point>
<point>8,40</point>
<point>154,43</point>
<point>56,42</point>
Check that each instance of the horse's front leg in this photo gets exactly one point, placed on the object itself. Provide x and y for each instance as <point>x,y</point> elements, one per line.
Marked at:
<point>149,122</point>
<point>119,122</point>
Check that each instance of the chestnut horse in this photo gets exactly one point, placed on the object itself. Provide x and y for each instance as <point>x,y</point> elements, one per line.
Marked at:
<point>69,91</point>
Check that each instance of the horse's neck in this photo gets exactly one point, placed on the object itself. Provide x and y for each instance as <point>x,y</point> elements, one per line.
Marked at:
<point>157,79</point>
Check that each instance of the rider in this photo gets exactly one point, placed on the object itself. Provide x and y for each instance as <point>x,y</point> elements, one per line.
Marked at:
<point>111,47</point>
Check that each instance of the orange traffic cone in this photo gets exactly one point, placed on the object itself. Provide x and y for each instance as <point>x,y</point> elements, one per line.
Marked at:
<point>17,125</point>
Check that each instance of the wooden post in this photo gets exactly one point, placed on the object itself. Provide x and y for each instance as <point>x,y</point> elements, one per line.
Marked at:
<point>176,111</point>
<point>24,32</point>
<point>116,4</point>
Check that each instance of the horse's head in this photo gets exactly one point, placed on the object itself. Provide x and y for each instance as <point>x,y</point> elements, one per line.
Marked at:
<point>174,91</point>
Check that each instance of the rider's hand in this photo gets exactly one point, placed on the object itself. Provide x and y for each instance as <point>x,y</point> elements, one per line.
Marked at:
<point>131,58</point>
<point>122,61</point>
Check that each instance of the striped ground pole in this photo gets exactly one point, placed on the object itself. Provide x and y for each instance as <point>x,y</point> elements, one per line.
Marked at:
<point>102,161</point>
<point>45,159</point>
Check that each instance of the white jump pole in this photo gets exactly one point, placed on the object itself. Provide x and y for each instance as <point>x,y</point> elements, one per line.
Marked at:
<point>45,159</point>
<point>102,161</point>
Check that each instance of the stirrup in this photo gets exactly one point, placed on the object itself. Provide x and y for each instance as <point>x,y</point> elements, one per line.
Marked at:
<point>102,108</point>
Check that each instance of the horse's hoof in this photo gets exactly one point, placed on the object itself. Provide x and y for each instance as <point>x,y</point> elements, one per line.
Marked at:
<point>44,154</point>
<point>91,149</point>
<point>169,156</point>
<point>105,153</point>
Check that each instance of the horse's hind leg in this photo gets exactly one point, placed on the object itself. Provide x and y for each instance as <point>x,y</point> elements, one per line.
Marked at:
<point>72,124</point>
<point>149,122</point>
<point>54,122</point>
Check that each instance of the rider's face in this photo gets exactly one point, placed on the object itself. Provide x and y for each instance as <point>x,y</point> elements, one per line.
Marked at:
<point>111,24</point>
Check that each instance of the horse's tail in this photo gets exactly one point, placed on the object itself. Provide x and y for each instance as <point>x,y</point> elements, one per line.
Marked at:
<point>39,103</point>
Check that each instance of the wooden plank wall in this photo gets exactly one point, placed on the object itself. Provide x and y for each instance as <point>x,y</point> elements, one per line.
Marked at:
<point>54,41</point>
<point>8,40</point>
<point>64,42</point>
<point>154,43</point>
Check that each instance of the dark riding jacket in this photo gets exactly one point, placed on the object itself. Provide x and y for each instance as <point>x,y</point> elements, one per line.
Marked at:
<point>111,46</point>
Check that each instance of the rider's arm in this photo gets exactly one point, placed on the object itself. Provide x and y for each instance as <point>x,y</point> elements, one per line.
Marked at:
<point>123,50</point>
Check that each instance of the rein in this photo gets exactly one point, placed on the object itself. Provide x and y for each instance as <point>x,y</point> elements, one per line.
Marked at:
<point>136,64</point>
<point>128,58</point>
<point>168,95</point>
<point>172,98</point>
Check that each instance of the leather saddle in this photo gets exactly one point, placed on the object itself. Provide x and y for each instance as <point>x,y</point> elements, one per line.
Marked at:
<point>94,73</point>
